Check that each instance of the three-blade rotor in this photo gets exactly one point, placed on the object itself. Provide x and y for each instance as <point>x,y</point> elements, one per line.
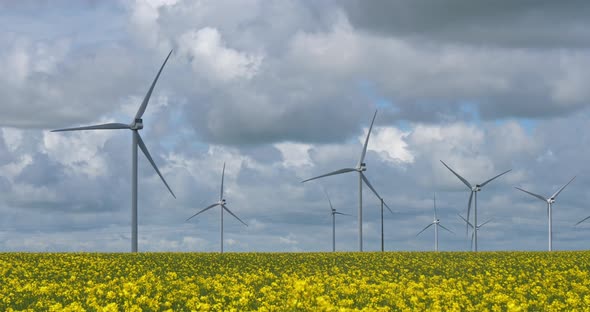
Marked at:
<point>137,124</point>
<point>472,188</point>
<point>221,201</point>
<point>359,168</point>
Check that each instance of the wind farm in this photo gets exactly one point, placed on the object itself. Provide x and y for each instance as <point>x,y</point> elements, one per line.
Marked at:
<point>478,110</point>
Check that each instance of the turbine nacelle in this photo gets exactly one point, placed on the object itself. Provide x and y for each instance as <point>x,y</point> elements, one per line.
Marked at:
<point>362,167</point>
<point>476,188</point>
<point>550,200</point>
<point>137,124</point>
<point>222,202</point>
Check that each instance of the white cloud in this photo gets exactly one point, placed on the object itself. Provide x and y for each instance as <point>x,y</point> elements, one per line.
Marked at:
<point>13,138</point>
<point>290,239</point>
<point>389,143</point>
<point>79,151</point>
<point>209,53</point>
<point>294,154</point>
<point>13,169</point>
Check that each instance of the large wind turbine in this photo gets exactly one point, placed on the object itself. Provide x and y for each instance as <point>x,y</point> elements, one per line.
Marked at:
<point>474,189</point>
<point>360,167</point>
<point>222,207</point>
<point>135,126</point>
<point>549,202</point>
<point>334,213</point>
<point>474,230</point>
<point>436,223</point>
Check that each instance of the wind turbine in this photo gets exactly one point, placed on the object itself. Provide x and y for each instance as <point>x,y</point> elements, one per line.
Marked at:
<point>334,213</point>
<point>474,189</point>
<point>436,223</point>
<point>473,230</point>
<point>549,202</point>
<point>135,126</point>
<point>222,206</point>
<point>360,167</point>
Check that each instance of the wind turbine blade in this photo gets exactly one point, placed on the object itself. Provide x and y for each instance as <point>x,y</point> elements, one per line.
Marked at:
<point>384,204</point>
<point>231,213</point>
<point>344,214</point>
<point>222,175</point>
<point>424,229</point>
<point>588,217</point>
<point>204,209</point>
<point>490,220</point>
<point>149,157</point>
<point>490,180</point>
<point>367,141</point>
<point>146,99</point>
<point>107,126</point>
<point>446,228</point>
<point>532,194</point>
<point>369,185</point>
<point>468,211</point>
<point>458,176</point>
<point>561,189</point>
<point>345,170</point>
<point>329,201</point>
<point>468,223</point>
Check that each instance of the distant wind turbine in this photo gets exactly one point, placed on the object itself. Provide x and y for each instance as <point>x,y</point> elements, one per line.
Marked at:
<point>334,213</point>
<point>222,207</point>
<point>474,230</point>
<point>135,126</point>
<point>474,189</point>
<point>549,202</point>
<point>436,223</point>
<point>360,167</point>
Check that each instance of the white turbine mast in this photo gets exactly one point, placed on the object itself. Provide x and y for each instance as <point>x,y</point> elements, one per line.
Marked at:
<point>222,206</point>
<point>135,126</point>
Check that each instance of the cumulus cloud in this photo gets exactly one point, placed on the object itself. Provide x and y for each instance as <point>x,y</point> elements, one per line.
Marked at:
<point>208,52</point>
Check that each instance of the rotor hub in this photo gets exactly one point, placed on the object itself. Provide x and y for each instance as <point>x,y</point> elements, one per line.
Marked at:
<point>476,188</point>
<point>362,167</point>
<point>137,124</point>
<point>222,201</point>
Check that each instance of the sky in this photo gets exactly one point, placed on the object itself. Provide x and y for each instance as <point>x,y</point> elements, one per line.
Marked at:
<point>282,91</point>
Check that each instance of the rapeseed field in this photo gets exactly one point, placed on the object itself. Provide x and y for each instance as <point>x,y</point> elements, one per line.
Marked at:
<point>391,281</point>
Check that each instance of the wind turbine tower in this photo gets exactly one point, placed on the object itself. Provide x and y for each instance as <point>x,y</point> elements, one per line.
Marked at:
<point>550,201</point>
<point>436,223</point>
<point>473,189</point>
<point>334,213</point>
<point>134,126</point>
<point>222,206</point>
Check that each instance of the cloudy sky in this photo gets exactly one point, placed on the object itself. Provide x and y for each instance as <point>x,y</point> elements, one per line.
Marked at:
<point>282,91</point>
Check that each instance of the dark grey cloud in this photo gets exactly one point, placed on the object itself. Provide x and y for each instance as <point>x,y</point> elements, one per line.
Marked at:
<point>521,24</point>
